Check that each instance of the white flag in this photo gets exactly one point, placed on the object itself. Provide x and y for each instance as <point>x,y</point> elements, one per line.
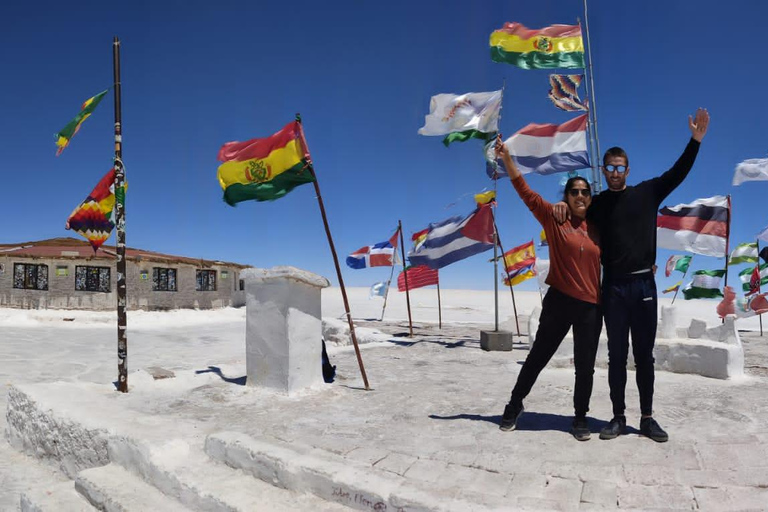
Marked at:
<point>378,289</point>
<point>475,111</point>
<point>754,169</point>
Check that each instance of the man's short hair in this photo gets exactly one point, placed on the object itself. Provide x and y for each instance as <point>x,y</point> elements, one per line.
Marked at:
<point>615,151</point>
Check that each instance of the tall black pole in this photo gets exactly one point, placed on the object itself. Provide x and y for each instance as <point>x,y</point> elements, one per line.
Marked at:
<point>122,321</point>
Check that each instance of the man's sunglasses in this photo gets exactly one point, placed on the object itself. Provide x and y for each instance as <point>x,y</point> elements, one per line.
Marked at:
<point>621,169</point>
<point>574,192</point>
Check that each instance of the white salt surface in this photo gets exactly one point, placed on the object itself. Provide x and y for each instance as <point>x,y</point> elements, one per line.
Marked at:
<point>45,346</point>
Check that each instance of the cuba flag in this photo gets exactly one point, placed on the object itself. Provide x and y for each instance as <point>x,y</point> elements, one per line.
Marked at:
<point>544,149</point>
<point>378,255</point>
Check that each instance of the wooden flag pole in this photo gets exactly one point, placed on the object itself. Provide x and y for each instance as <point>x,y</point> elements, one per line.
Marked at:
<point>509,280</point>
<point>122,319</point>
<point>405,276</point>
<point>759,278</point>
<point>389,283</point>
<point>440,309</point>
<point>333,252</point>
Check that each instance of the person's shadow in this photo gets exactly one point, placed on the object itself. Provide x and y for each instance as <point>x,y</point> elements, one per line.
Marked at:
<point>240,381</point>
<point>536,421</point>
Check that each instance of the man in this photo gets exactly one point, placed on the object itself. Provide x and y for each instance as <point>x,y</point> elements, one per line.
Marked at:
<point>625,218</point>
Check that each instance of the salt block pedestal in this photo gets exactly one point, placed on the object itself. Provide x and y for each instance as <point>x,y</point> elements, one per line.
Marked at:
<point>284,329</point>
<point>496,340</point>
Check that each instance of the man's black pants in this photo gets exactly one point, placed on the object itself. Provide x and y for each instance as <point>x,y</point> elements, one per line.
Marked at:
<point>630,305</point>
<point>558,314</point>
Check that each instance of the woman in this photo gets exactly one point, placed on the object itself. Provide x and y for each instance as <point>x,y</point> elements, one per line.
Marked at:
<point>573,298</point>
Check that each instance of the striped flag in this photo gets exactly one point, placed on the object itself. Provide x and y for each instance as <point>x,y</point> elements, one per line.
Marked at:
<point>700,227</point>
<point>418,277</point>
<point>563,92</point>
<point>679,263</point>
<point>454,239</point>
<point>461,117</point>
<point>264,169</point>
<point>544,149</point>
<point>744,253</point>
<point>378,255</point>
<point>556,46</point>
<point>754,278</point>
<point>705,285</point>
<point>673,288</point>
<point>519,264</point>
<point>69,131</point>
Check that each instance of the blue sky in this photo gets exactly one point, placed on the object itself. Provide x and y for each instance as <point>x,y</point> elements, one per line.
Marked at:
<point>198,74</point>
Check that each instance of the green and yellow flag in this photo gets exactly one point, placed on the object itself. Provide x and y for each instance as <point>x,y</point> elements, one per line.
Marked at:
<point>556,46</point>
<point>69,131</point>
<point>264,169</point>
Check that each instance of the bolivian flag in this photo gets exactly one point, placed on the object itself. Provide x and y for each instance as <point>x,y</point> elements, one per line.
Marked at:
<point>69,131</point>
<point>556,46</point>
<point>264,169</point>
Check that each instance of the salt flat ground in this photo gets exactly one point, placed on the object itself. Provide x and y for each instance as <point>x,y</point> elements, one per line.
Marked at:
<point>437,400</point>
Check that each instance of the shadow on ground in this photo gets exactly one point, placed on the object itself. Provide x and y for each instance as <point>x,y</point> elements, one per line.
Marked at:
<point>240,381</point>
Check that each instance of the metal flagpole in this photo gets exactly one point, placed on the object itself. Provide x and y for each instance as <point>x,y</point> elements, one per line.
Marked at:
<point>727,240</point>
<point>759,278</point>
<point>509,280</point>
<point>333,252</point>
<point>592,100</point>
<point>122,319</point>
<point>440,309</point>
<point>405,277</point>
<point>386,294</point>
<point>682,279</point>
<point>496,232</point>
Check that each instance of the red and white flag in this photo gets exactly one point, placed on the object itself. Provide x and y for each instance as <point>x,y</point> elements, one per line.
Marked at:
<point>417,277</point>
<point>700,227</point>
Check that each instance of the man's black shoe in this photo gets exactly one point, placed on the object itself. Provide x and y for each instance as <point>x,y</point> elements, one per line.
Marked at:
<point>615,428</point>
<point>649,428</point>
<point>509,420</point>
<point>580,428</point>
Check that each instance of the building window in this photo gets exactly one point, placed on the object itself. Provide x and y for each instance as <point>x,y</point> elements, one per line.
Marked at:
<point>30,277</point>
<point>206,281</point>
<point>164,279</point>
<point>242,284</point>
<point>92,279</point>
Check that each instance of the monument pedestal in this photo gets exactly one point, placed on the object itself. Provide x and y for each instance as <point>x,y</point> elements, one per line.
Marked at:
<point>283,328</point>
<point>496,340</point>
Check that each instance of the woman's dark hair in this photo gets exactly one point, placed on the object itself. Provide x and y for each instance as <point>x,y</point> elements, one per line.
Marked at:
<point>569,186</point>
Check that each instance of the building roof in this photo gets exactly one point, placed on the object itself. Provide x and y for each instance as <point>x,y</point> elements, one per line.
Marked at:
<point>73,248</point>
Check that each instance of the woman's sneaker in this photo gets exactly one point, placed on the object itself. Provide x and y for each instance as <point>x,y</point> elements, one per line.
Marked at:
<point>509,419</point>
<point>616,427</point>
<point>580,428</point>
<point>649,428</point>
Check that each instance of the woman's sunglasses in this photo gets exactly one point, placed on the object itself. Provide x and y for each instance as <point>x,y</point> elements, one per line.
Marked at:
<point>574,192</point>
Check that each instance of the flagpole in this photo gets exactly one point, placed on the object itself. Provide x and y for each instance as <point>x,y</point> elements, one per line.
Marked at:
<point>389,283</point>
<point>683,279</point>
<point>405,277</point>
<point>496,234</point>
<point>759,278</point>
<point>440,309</point>
<point>122,319</point>
<point>509,280</point>
<point>333,252</point>
<point>593,101</point>
<point>727,240</point>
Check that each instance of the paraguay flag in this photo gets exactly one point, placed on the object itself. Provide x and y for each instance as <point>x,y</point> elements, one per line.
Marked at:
<point>544,149</point>
<point>378,255</point>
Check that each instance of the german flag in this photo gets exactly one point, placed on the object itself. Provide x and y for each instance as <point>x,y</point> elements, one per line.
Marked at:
<point>264,169</point>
